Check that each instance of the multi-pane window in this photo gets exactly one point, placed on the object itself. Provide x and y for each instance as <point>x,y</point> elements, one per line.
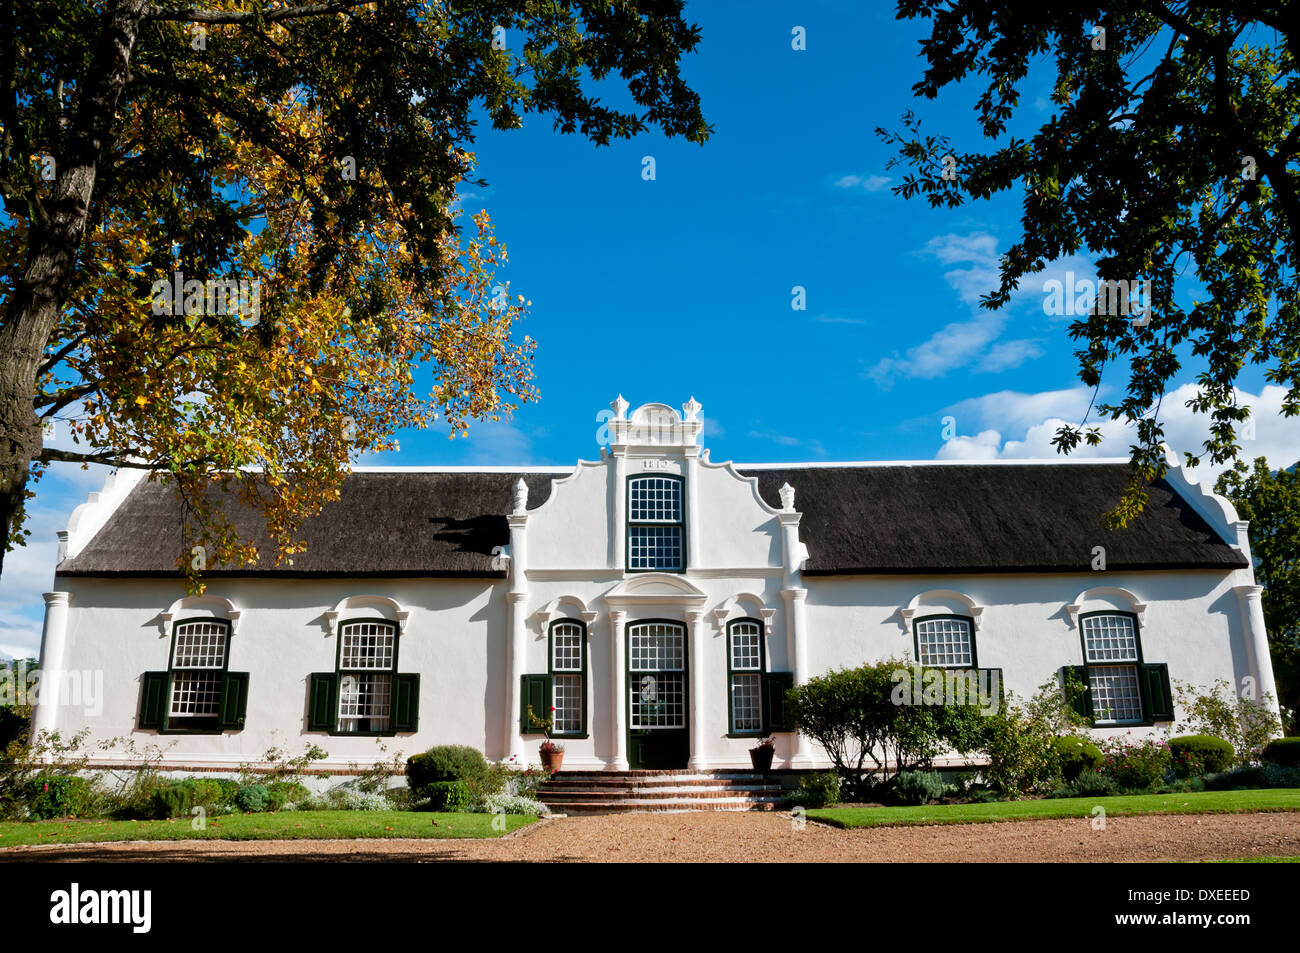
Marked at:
<point>945,642</point>
<point>1115,689</point>
<point>745,675</point>
<point>198,668</point>
<point>366,654</point>
<point>656,671</point>
<point>655,530</point>
<point>568,677</point>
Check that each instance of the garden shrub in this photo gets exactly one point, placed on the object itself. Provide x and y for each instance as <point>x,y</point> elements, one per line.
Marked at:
<point>864,718</point>
<point>1196,755</point>
<point>816,790</point>
<point>444,764</point>
<point>1021,739</point>
<point>1254,776</point>
<point>1076,755</point>
<point>252,798</point>
<point>52,795</point>
<point>1141,766</point>
<point>352,799</point>
<point>172,800</point>
<point>1245,723</point>
<point>280,793</point>
<point>1089,783</point>
<point>513,804</point>
<point>1283,751</point>
<point>919,787</point>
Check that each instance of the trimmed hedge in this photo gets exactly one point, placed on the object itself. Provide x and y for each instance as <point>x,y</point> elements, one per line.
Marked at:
<point>1196,755</point>
<point>442,765</point>
<point>1283,751</point>
<point>1076,756</point>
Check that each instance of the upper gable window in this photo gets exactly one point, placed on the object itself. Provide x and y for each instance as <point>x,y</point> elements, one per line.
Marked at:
<point>945,642</point>
<point>655,524</point>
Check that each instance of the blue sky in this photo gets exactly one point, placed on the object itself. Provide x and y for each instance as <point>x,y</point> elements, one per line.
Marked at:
<point>682,286</point>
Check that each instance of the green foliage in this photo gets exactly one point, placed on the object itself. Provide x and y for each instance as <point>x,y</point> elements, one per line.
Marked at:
<point>280,793</point>
<point>1136,766</point>
<point>1195,755</point>
<point>1251,776</point>
<point>1021,739</point>
<point>1088,783</point>
<point>1283,751</point>
<point>253,798</point>
<point>1075,755</point>
<point>1142,160</point>
<point>172,800</point>
<point>1246,723</point>
<point>821,789</point>
<point>1271,502</point>
<point>22,763</point>
<point>513,804</point>
<point>444,764</point>
<point>53,795</point>
<point>856,715</point>
<point>919,787</point>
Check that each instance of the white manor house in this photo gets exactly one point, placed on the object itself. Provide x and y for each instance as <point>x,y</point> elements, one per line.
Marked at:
<point>661,601</point>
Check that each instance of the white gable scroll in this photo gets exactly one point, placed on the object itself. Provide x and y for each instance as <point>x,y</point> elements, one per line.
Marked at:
<point>655,425</point>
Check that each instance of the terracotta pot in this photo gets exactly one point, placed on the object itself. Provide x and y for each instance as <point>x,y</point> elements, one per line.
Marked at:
<point>762,758</point>
<point>551,760</point>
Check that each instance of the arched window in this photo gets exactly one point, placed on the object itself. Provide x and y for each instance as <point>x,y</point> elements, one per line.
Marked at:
<point>1122,688</point>
<point>197,693</point>
<point>755,696</point>
<point>655,522</point>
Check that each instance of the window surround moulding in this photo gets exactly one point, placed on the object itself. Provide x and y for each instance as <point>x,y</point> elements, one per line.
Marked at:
<point>389,609</point>
<point>219,606</point>
<point>918,608</point>
<point>1134,605</point>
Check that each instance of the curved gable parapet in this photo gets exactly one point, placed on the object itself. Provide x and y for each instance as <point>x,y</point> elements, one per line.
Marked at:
<point>89,518</point>
<point>566,480</point>
<point>730,467</point>
<point>1216,510</point>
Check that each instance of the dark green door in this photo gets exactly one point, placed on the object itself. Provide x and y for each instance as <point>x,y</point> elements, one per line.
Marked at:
<point>657,689</point>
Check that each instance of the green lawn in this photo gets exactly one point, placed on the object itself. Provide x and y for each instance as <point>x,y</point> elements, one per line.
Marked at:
<point>1201,802</point>
<point>288,825</point>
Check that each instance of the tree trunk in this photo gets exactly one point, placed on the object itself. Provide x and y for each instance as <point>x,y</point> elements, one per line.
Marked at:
<point>52,249</point>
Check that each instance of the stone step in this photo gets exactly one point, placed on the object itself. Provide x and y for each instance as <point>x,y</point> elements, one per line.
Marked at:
<point>621,784</point>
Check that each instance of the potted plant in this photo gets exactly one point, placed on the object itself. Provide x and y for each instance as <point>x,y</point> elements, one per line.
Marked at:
<point>552,754</point>
<point>761,754</point>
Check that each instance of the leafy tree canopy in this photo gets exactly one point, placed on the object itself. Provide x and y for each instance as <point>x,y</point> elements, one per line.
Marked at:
<point>1172,149</point>
<point>308,152</point>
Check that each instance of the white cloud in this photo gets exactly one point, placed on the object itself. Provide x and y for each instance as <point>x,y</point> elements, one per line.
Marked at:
<point>1006,355</point>
<point>868,183</point>
<point>951,347</point>
<point>785,440</point>
<point>831,319</point>
<point>1033,420</point>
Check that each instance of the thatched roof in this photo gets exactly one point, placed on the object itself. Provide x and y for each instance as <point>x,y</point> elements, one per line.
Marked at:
<point>856,520</point>
<point>383,524</point>
<point>988,518</point>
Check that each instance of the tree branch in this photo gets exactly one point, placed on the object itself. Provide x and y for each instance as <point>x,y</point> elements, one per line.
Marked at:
<point>194,15</point>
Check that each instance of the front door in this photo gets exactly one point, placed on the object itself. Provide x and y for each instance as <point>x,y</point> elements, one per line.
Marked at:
<point>656,692</point>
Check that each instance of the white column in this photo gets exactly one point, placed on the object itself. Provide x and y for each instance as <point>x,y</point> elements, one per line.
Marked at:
<point>692,513</point>
<point>618,523</point>
<point>54,638</point>
<point>699,692</point>
<point>795,602</point>
<point>517,636</point>
<point>619,704</point>
<point>1261,662</point>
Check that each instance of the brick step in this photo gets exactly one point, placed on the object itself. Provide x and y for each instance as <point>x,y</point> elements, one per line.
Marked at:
<point>595,784</point>
<point>678,805</point>
<point>659,794</point>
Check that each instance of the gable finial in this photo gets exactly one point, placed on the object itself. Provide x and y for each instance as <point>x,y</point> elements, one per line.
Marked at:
<point>692,409</point>
<point>787,497</point>
<point>619,406</point>
<point>521,497</point>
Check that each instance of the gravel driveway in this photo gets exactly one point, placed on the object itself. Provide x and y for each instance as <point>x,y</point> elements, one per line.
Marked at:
<point>761,837</point>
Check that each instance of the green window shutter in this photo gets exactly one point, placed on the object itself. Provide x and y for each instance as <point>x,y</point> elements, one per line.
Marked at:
<point>234,700</point>
<point>322,701</point>
<point>1082,702</point>
<point>406,702</point>
<point>535,690</point>
<point>1157,699</point>
<point>154,696</point>
<point>775,716</point>
<point>992,677</point>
